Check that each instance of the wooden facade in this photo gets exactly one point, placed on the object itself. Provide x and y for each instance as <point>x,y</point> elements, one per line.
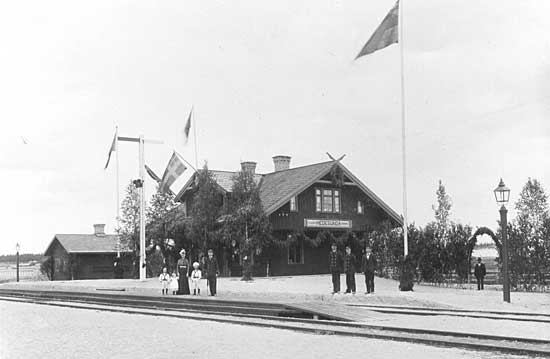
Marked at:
<point>304,201</point>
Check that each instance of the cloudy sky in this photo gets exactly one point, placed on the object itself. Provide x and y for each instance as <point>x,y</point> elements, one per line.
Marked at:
<point>267,78</point>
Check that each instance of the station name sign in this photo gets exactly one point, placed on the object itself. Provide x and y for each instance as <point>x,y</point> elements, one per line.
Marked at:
<point>327,223</point>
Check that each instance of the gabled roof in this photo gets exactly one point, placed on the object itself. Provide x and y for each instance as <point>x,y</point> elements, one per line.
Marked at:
<point>223,178</point>
<point>278,187</point>
<point>86,243</point>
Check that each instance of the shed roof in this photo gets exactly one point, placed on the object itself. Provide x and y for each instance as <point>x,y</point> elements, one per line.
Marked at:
<point>87,243</point>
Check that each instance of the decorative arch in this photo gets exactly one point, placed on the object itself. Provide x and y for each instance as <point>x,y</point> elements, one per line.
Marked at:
<point>473,240</point>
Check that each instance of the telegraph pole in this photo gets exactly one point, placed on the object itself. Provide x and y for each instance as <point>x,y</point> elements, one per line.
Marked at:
<point>141,141</point>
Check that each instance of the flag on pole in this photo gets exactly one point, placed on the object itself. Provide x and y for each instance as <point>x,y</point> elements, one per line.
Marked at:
<point>155,177</point>
<point>112,149</point>
<point>385,35</point>
<point>188,126</point>
<point>174,169</point>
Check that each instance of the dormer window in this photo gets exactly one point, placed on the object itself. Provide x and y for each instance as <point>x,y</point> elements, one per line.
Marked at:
<point>360,208</point>
<point>327,200</point>
<point>293,204</point>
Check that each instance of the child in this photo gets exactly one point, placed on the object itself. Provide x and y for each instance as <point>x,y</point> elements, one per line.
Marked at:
<point>174,284</point>
<point>164,279</point>
<point>195,279</point>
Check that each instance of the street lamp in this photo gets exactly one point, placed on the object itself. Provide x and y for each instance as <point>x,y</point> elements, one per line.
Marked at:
<point>502,196</point>
<point>17,260</point>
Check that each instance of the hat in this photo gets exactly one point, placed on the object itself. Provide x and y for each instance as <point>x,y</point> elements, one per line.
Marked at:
<point>182,251</point>
<point>196,265</point>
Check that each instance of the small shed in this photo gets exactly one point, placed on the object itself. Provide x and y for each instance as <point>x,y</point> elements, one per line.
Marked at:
<point>87,256</point>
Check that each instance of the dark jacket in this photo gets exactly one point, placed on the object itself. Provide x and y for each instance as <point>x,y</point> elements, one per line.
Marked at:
<point>368,265</point>
<point>334,262</point>
<point>210,267</point>
<point>479,270</point>
<point>349,263</point>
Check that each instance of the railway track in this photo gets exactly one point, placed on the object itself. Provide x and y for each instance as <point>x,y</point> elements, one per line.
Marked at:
<point>274,315</point>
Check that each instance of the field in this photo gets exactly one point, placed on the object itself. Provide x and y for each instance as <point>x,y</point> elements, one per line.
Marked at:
<point>8,272</point>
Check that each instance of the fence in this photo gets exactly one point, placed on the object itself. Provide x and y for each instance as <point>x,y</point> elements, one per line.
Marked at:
<point>8,273</point>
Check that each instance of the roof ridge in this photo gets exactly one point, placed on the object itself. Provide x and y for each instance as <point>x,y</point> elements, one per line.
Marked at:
<point>300,167</point>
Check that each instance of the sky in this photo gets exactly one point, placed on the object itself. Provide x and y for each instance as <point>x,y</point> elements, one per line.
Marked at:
<point>267,78</point>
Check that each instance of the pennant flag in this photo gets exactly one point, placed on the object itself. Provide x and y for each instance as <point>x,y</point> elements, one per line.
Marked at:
<point>174,169</point>
<point>152,174</point>
<point>187,126</point>
<point>155,177</point>
<point>112,149</point>
<point>385,35</point>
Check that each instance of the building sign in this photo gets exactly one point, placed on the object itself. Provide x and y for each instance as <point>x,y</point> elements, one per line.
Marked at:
<point>327,223</point>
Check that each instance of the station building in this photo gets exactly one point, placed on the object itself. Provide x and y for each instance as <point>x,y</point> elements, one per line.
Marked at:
<point>301,203</point>
<point>86,256</point>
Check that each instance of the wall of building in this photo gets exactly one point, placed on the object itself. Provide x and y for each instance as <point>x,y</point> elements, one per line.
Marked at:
<point>284,219</point>
<point>60,263</point>
<point>100,266</point>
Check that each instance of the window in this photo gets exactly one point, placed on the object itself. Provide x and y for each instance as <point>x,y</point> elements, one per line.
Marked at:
<point>296,253</point>
<point>327,200</point>
<point>293,205</point>
<point>318,202</point>
<point>360,209</point>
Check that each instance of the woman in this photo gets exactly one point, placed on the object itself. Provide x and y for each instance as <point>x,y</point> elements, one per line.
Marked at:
<point>183,272</point>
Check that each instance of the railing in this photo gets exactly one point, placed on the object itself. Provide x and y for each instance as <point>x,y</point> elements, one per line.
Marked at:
<point>8,273</point>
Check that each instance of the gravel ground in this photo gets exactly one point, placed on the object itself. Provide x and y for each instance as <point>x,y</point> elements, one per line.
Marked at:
<point>317,287</point>
<point>38,331</point>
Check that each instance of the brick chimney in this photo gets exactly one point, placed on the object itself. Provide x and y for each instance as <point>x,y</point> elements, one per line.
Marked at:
<point>281,163</point>
<point>99,230</point>
<point>248,166</point>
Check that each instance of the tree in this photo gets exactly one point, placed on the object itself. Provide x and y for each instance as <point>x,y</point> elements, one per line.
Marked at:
<point>129,222</point>
<point>245,221</point>
<point>532,207</point>
<point>165,220</point>
<point>205,212</point>
<point>442,212</point>
<point>529,237</point>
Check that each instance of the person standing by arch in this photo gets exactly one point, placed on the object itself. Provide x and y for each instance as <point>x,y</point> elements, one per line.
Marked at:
<point>183,272</point>
<point>480,272</point>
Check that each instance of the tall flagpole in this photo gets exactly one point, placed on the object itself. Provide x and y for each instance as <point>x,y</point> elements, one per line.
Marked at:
<point>403,142</point>
<point>195,138</point>
<point>117,196</point>
<point>142,269</point>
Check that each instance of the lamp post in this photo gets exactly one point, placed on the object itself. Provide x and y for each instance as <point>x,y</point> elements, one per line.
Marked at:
<point>17,260</point>
<point>502,196</point>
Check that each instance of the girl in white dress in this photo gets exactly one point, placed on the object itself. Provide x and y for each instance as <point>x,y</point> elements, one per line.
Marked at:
<point>174,283</point>
<point>164,279</point>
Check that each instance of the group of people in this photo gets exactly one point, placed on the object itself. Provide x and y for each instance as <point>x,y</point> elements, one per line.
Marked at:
<point>178,282</point>
<point>349,263</point>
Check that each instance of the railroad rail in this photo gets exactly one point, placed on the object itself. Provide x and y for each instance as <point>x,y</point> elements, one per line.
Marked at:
<point>274,315</point>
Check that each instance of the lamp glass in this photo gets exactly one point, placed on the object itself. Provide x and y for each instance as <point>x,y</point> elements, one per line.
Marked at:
<point>502,193</point>
<point>17,247</point>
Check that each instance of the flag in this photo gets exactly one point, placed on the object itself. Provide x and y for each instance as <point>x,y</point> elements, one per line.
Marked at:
<point>385,35</point>
<point>112,149</point>
<point>187,126</point>
<point>174,169</point>
<point>155,177</point>
<point>152,174</point>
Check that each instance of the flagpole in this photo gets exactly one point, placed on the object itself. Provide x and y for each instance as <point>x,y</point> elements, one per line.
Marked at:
<point>142,269</point>
<point>403,131</point>
<point>117,197</point>
<point>195,138</point>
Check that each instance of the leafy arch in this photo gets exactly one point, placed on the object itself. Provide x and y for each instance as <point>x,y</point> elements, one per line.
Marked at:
<point>473,240</point>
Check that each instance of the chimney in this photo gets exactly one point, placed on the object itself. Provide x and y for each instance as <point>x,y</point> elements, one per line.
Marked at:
<point>99,230</point>
<point>281,163</point>
<point>248,166</point>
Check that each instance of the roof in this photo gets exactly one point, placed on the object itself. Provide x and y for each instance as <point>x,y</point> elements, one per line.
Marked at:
<point>278,187</point>
<point>86,243</point>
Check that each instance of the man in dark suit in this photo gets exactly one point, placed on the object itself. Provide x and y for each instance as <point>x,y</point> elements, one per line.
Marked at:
<point>211,271</point>
<point>334,260</point>
<point>349,269</point>
<point>368,266</point>
<point>479,272</point>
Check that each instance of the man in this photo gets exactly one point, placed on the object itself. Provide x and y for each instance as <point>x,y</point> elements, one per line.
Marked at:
<point>334,260</point>
<point>211,271</point>
<point>368,266</point>
<point>349,269</point>
<point>118,270</point>
<point>479,272</point>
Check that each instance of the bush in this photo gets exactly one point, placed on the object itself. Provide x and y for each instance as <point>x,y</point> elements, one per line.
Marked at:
<point>46,267</point>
